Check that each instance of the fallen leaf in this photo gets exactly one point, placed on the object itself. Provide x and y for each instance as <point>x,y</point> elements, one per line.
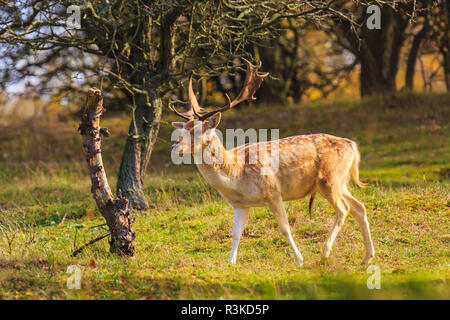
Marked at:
<point>92,263</point>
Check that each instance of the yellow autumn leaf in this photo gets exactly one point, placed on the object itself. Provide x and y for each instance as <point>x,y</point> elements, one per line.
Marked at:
<point>315,94</point>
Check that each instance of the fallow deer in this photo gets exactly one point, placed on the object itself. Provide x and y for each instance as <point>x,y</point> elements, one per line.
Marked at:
<point>307,164</point>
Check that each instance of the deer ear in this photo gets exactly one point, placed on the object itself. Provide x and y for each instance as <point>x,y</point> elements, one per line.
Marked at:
<point>178,125</point>
<point>213,121</point>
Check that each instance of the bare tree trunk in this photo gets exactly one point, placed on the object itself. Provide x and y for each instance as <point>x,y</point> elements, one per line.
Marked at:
<point>372,80</point>
<point>412,56</point>
<point>115,211</point>
<point>138,149</point>
<point>446,63</point>
<point>445,49</point>
<point>380,52</point>
<point>377,50</point>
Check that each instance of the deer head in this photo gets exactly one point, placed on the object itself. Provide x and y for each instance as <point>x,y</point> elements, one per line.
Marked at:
<point>199,122</point>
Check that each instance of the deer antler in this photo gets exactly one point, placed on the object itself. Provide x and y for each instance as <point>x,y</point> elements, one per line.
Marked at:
<point>186,115</point>
<point>252,82</point>
<point>194,108</point>
<point>193,103</point>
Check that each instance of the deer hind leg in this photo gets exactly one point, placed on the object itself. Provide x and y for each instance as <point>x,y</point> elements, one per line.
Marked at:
<point>279,211</point>
<point>341,206</point>
<point>358,211</point>
<point>240,219</point>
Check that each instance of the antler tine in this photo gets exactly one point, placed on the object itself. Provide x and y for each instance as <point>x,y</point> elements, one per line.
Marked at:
<point>252,82</point>
<point>189,115</point>
<point>194,108</point>
<point>193,103</point>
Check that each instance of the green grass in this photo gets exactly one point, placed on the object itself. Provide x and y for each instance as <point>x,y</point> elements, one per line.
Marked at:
<point>183,243</point>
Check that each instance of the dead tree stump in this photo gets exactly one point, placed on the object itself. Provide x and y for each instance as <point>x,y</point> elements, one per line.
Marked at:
<point>116,212</point>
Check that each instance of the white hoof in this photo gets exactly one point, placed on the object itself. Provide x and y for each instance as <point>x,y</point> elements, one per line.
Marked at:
<point>367,259</point>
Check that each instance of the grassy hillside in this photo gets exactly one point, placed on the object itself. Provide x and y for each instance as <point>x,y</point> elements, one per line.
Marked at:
<point>183,242</point>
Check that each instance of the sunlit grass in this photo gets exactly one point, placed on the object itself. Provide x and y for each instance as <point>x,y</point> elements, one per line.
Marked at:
<point>183,242</point>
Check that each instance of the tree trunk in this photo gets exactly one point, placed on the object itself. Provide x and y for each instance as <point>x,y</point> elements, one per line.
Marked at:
<point>445,49</point>
<point>380,53</point>
<point>372,80</point>
<point>115,211</point>
<point>376,50</point>
<point>446,63</point>
<point>412,57</point>
<point>144,126</point>
<point>138,148</point>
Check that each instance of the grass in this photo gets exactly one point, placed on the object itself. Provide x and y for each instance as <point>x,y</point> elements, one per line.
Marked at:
<point>183,242</point>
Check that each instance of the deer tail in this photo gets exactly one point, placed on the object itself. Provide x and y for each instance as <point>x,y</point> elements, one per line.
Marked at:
<point>354,169</point>
<point>311,201</point>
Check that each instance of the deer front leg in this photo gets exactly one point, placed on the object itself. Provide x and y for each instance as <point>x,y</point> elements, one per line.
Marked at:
<point>278,210</point>
<point>240,219</point>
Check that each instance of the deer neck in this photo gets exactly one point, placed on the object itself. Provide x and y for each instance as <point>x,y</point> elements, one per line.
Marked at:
<point>216,164</point>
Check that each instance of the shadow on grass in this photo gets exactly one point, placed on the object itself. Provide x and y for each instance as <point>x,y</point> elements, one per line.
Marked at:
<point>311,289</point>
